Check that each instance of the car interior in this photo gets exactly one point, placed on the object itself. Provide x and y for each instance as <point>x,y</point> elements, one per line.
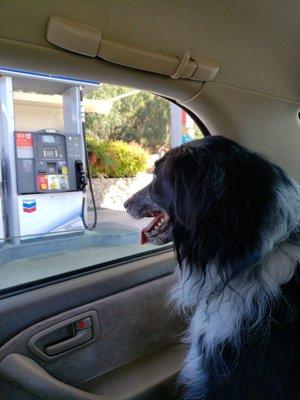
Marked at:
<point>106,331</point>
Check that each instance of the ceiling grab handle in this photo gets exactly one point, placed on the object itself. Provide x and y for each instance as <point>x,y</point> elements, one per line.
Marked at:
<point>182,65</point>
<point>89,41</point>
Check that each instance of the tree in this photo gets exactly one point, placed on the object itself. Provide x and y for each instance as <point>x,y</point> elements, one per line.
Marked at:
<point>143,118</point>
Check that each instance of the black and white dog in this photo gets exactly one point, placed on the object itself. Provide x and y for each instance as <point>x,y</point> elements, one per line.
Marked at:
<point>234,219</point>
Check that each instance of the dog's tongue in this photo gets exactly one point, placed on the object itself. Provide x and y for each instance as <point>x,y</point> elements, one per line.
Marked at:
<point>150,227</point>
<point>143,238</point>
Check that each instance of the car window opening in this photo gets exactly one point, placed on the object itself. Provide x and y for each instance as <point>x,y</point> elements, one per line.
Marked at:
<point>75,151</point>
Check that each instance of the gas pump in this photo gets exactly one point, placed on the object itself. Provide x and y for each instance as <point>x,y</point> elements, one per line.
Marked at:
<point>44,176</point>
<point>49,162</point>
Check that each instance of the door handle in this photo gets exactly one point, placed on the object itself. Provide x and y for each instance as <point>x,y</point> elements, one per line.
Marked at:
<point>81,336</point>
<point>65,336</point>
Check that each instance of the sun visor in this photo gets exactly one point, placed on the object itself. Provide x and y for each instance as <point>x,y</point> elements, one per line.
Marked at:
<point>87,40</point>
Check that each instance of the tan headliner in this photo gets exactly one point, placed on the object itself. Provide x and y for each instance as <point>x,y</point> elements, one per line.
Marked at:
<point>255,97</point>
<point>255,42</point>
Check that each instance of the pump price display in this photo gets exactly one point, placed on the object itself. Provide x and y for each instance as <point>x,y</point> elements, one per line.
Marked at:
<point>50,152</point>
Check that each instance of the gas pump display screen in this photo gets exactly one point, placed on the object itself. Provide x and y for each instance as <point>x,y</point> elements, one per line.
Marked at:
<point>50,152</point>
<point>48,139</point>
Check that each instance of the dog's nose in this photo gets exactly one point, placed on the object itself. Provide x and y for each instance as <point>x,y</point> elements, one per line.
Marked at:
<point>126,204</point>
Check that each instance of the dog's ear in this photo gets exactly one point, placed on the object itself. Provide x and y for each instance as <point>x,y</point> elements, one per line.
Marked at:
<point>218,212</point>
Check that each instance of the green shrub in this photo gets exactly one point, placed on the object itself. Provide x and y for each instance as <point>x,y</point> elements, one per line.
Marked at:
<point>115,159</point>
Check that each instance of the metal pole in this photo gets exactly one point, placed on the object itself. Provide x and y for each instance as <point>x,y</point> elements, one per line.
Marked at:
<point>7,128</point>
<point>176,139</point>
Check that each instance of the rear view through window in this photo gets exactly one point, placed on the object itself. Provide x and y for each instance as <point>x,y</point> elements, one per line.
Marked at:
<point>54,220</point>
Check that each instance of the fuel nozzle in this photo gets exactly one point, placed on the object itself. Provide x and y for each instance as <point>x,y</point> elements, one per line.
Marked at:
<point>81,178</point>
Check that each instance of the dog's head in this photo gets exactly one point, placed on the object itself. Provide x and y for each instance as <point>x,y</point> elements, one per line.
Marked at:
<point>218,202</point>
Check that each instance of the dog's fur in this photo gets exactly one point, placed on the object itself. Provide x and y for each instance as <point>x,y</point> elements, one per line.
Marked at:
<point>234,219</point>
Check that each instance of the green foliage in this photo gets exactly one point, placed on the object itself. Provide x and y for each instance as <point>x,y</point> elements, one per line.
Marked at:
<point>198,133</point>
<point>140,117</point>
<point>115,159</point>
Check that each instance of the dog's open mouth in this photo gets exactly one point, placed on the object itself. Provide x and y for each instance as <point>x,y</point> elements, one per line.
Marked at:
<point>156,230</point>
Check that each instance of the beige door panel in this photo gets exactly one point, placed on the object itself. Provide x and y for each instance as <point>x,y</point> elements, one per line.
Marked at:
<point>132,324</point>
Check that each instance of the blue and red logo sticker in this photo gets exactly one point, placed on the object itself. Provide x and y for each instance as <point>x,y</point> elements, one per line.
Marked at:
<point>29,206</point>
